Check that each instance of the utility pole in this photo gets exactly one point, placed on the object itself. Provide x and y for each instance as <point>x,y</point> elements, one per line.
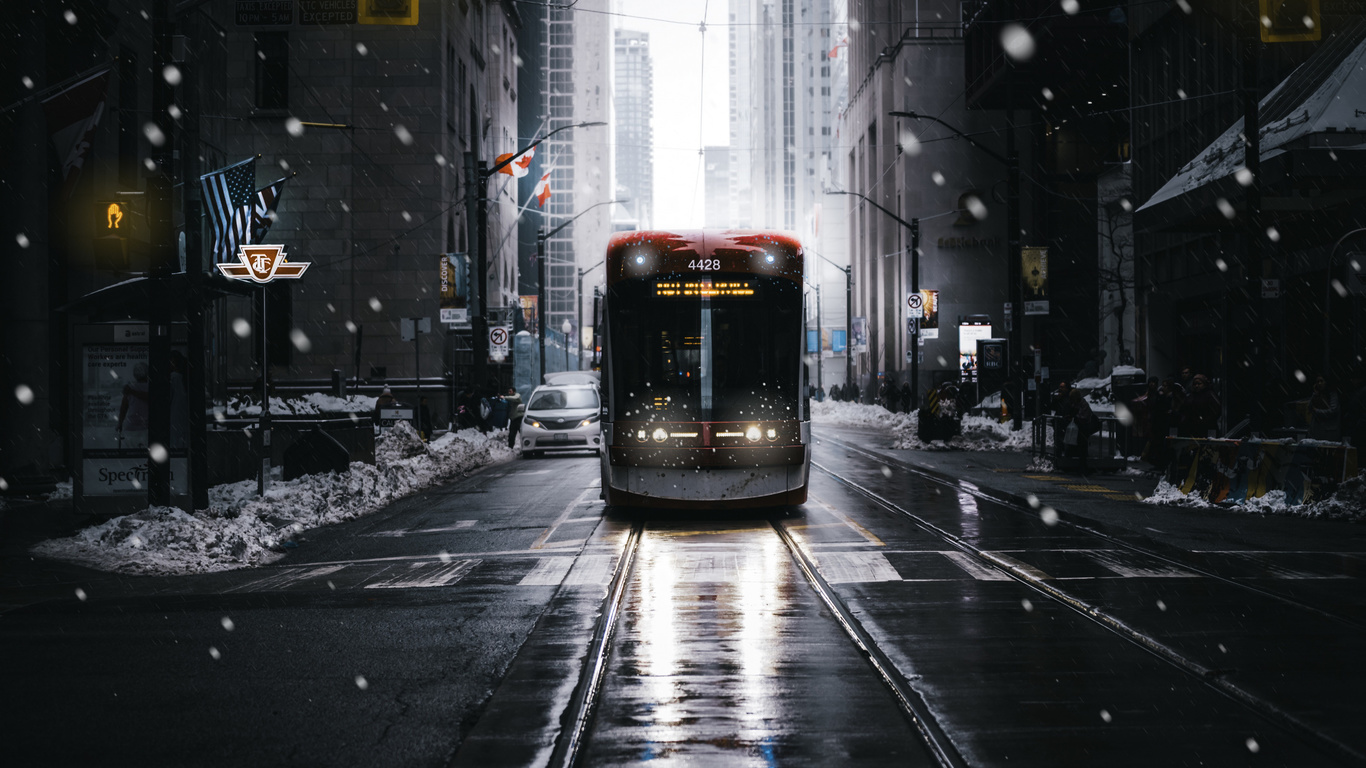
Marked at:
<point>540,300</point>
<point>915,337</point>
<point>164,261</point>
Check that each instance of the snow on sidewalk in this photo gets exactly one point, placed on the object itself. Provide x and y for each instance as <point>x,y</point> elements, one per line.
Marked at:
<point>980,433</point>
<point>243,530</point>
<point>1347,503</point>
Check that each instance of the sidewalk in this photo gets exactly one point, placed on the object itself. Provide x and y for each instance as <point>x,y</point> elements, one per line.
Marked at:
<point>1111,501</point>
<point>25,578</point>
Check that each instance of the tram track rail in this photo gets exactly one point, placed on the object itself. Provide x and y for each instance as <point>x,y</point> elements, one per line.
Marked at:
<point>578,716</point>
<point>1019,505</point>
<point>1211,677</point>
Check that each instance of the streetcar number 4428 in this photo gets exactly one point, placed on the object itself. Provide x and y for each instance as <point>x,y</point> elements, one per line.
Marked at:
<point>705,264</point>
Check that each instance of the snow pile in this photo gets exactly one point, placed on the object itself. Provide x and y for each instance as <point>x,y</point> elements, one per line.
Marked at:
<point>1169,495</point>
<point>859,415</point>
<point>243,530</point>
<point>311,403</point>
<point>980,433</point>
<point>1348,502</point>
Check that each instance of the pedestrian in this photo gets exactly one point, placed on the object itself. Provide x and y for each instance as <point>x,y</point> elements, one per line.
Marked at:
<point>1325,412</point>
<point>515,412</point>
<point>1187,381</point>
<point>1058,401</point>
<point>853,392</point>
<point>1158,407</point>
<point>907,403</point>
<point>385,400</point>
<point>1198,415</point>
<point>1081,424</point>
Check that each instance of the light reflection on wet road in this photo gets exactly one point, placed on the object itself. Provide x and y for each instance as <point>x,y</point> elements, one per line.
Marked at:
<point>725,657</point>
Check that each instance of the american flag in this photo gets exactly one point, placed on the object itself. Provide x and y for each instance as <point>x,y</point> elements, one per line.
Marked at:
<point>263,210</point>
<point>228,199</point>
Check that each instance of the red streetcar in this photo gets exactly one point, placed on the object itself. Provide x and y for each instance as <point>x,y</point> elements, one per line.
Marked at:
<point>703,378</point>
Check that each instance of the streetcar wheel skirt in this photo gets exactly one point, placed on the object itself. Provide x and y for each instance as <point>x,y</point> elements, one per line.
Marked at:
<point>714,486</point>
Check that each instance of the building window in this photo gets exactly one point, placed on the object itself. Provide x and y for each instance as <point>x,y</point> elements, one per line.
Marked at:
<point>272,70</point>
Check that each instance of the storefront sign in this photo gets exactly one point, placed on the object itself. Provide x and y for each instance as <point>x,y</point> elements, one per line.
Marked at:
<point>454,290</point>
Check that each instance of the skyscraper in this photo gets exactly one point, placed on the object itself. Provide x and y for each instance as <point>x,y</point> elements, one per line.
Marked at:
<point>634,104</point>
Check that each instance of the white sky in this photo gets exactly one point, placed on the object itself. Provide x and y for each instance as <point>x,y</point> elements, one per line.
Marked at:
<point>681,88</point>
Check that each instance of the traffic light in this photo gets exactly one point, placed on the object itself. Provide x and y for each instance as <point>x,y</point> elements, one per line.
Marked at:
<point>1290,21</point>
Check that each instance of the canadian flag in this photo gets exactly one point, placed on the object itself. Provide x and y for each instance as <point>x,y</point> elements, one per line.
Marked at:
<point>517,168</point>
<point>542,192</point>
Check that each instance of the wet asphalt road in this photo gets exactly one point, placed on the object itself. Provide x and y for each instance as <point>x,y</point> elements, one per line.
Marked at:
<point>455,628</point>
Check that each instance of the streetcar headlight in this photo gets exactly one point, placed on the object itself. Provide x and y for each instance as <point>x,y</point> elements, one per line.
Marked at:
<point>641,436</point>
<point>771,434</point>
<point>752,434</point>
<point>660,435</point>
<point>768,257</point>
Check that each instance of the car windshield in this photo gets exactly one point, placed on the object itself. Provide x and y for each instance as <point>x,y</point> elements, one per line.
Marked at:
<point>561,399</point>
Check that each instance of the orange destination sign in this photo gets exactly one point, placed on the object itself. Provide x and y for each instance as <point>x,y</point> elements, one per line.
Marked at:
<point>263,263</point>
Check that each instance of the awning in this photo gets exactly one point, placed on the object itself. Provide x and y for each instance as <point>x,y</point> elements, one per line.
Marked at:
<point>1313,140</point>
<point>132,299</point>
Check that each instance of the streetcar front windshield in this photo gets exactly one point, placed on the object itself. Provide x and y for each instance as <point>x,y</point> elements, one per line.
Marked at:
<point>721,348</point>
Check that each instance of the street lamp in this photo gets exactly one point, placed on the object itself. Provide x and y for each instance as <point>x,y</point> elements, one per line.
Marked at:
<point>566,328</point>
<point>914,226</point>
<point>1011,160</point>
<point>541,237</point>
<point>476,209</point>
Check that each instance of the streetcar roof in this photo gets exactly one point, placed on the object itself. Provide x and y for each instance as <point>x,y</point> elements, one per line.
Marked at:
<point>654,252</point>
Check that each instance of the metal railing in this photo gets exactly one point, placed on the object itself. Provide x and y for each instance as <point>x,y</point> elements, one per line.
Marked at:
<point>1102,446</point>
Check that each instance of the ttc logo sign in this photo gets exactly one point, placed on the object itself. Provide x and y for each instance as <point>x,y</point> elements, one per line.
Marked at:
<point>262,264</point>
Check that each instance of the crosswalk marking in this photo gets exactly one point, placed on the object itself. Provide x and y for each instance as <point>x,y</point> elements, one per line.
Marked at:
<point>459,525</point>
<point>548,572</point>
<point>856,567</point>
<point>287,577</point>
<point>421,575</point>
<point>1281,571</point>
<point>591,570</point>
<point>975,568</point>
<point>1128,567</point>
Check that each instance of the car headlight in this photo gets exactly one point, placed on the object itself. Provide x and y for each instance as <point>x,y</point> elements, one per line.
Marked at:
<point>590,420</point>
<point>771,434</point>
<point>752,434</point>
<point>535,424</point>
<point>641,436</point>
<point>660,435</point>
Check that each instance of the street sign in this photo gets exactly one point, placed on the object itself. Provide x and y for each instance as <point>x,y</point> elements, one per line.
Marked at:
<point>499,337</point>
<point>1271,288</point>
<point>409,327</point>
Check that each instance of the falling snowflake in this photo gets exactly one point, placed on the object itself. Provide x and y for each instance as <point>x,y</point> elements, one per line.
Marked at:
<point>171,73</point>
<point>1105,715</point>
<point>403,135</point>
<point>361,49</point>
<point>300,340</point>
<point>1049,516</point>
<point>227,624</point>
<point>1028,606</point>
<point>23,394</point>
<point>214,654</point>
<point>910,143</point>
<point>154,135</point>
<point>361,682</point>
<point>294,126</point>
<point>1017,42</point>
<point>158,453</point>
<point>375,305</point>
<point>241,327</point>
<point>80,594</point>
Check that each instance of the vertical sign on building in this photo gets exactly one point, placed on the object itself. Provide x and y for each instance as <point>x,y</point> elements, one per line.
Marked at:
<point>860,333</point>
<point>452,276</point>
<point>1034,273</point>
